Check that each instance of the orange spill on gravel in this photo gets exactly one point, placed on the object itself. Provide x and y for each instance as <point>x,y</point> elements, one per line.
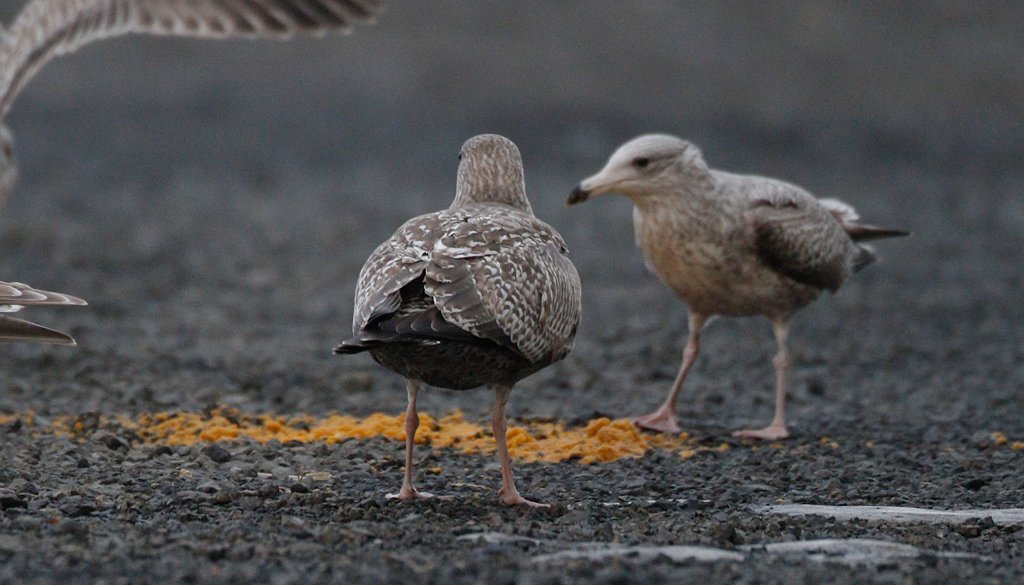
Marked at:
<point>600,440</point>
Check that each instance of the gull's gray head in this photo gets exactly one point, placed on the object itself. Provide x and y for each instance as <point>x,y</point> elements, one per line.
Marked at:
<point>653,163</point>
<point>491,170</point>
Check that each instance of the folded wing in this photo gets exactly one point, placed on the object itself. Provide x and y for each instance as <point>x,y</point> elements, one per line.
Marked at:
<point>505,277</point>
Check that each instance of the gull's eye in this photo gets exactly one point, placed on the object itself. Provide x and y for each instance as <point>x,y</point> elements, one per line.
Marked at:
<point>641,162</point>
<point>460,156</point>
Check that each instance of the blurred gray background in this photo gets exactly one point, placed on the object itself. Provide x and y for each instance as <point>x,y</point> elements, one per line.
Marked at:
<point>214,202</point>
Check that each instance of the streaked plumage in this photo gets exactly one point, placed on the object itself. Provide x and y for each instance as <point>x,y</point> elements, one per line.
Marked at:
<point>481,293</point>
<point>733,245</point>
<point>49,28</point>
<point>15,296</point>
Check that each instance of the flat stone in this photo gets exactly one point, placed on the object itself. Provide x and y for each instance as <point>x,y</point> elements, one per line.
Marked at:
<point>675,553</point>
<point>1001,517</point>
<point>851,551</point>
<point>498,538</point>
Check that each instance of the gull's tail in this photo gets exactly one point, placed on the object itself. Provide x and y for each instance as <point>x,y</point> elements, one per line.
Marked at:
<point>847,217</point>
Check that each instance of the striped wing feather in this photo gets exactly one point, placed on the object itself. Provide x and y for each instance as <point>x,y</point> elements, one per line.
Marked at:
<point>47,28</point>
<point>505,277</point>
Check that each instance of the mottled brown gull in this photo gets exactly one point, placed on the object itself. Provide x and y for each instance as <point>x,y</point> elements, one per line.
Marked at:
<point>734,245</point>
<point>15,296</point>
<point>481,293</point>
<point>45,29</point>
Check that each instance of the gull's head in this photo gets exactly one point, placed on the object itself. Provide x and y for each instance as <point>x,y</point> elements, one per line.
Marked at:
<point>490,170</point>
<point>653,163</point>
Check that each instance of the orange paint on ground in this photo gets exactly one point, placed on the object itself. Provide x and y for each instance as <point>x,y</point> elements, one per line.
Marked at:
<point>6,419</point>
<point>601,440</point>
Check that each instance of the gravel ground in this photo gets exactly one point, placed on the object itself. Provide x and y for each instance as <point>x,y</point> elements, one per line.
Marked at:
<point>214,204</point>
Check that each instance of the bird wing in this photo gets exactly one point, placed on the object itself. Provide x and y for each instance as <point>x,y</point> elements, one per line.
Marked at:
<point>45,29</point>
<point>799,238</point>
<point>503,275</point>
<point>12,329</point>
<point>48,28</point>
<point>399,260</point>
<point>15,295</point>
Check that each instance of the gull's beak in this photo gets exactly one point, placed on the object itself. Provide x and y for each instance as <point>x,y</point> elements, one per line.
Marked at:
<point>594,185</point>
<point>578,195</point>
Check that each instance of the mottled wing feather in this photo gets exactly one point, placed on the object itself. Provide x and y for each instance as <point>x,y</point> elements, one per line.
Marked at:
<point>16,295</point>
<point>800,239</point>
<point>503,276</point>
<point>394,264</point>
<point>47,28</point>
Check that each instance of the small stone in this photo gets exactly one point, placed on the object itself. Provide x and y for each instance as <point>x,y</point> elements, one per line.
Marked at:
<point>162,450</point>
<point>111,441</point>
<point>9,499</point>
<point>969,530</point>
<point>976,483</point>
<point>217,454</point>
<point>816,386</point>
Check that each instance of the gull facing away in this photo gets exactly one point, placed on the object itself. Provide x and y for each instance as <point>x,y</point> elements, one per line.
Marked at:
<point>45,29</point>
<point>733,245</point>
<point>15,296</point>
<point>481,293</point>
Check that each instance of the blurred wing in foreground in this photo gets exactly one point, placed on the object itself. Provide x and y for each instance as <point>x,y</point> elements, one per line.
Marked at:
<point>15,296</point>
<point>48,28</point>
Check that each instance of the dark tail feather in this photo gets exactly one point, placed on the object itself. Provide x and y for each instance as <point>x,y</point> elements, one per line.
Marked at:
<point>863,233</point>
<point>354,345</point>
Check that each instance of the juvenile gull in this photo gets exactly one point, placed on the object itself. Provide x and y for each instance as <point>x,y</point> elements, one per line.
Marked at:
<point>45,29</point>
<point>15,296</point>
<point>481,293</point>
<point>733,245</point>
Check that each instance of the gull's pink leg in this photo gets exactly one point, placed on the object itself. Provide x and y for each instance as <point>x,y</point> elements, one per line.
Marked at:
<point>777,429</point>
<point>664,418</point>
<point>508,494</point>
<point>412,422</point>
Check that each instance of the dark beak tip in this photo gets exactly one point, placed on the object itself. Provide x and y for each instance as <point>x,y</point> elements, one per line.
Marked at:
<point>578,195</point>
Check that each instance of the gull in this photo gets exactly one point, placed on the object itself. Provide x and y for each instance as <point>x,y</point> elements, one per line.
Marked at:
<point>482,293</point>
<point>731,245</point>
<point>45,29</point>
<point>15,296</point>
